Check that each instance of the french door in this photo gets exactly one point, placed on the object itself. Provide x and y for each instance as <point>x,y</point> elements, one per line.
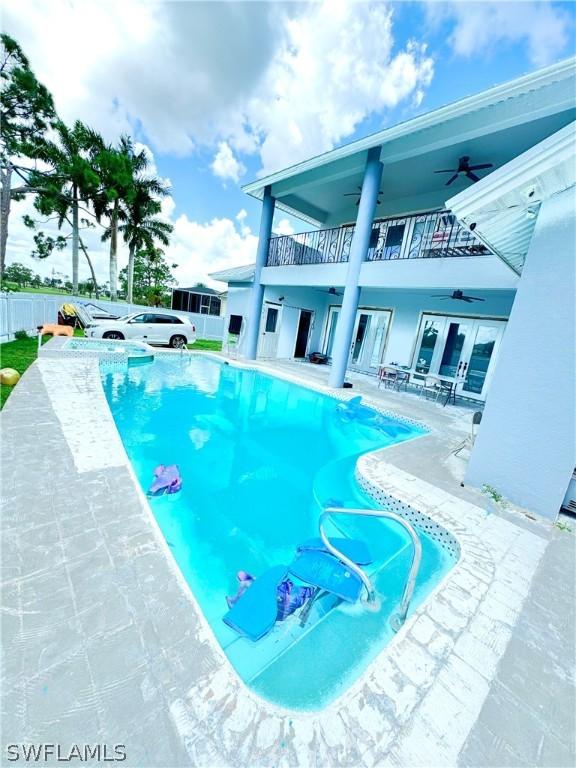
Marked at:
<point>464,347</point>
<point>368,338</point>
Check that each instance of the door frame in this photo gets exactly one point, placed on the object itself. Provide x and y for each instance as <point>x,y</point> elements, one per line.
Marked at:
<point>361,310</point>
<point>310,328</point>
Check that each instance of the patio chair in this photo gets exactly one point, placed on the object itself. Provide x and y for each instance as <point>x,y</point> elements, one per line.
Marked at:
<point>430,384</point>
<point>402,380</point>
<point>469,440</point>
<point>386,375</point>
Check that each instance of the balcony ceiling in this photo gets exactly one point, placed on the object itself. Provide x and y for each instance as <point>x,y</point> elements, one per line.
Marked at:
<point>493,127</point>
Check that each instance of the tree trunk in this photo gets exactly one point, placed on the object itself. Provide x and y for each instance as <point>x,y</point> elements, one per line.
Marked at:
<point>5,200</point>
<point>91,268</point>
<point>113,253</point>
<point>130,274</point>
<point>75,237</point>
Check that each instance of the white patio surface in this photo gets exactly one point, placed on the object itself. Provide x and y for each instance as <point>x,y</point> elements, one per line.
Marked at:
<point>104,643</point>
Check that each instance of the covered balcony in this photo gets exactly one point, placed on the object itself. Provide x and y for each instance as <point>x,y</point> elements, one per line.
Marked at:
<point>432,235</point>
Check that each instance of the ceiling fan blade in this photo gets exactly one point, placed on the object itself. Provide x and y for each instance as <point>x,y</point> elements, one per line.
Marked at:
<point>467,299</point>
<point>480,167</point>
<point>472,176</point>
<point>449,170</point>
<point>475,298</point>
<point>451,179</point>
<point>350,194</point>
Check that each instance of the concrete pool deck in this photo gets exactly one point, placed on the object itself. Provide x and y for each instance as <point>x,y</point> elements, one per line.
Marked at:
<point>104,644</point>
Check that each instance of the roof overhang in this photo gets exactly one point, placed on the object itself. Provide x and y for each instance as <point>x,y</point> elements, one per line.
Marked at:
<point>243,274</point>
<point>493,126</point>
<point>502,209</point>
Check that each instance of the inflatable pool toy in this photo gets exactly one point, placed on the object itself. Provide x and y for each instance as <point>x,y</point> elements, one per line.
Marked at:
<point>167,479</point>
<point>57,330</point>
<point>9,376</point>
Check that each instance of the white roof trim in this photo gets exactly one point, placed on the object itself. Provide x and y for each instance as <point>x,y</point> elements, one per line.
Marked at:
<point>493,95</point>
<point>503,206</point>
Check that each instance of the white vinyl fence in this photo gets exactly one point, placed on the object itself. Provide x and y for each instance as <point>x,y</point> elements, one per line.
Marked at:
<point>26,311</point>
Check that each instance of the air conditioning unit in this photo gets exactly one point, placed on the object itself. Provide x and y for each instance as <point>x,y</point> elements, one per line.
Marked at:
<point>569,502</point>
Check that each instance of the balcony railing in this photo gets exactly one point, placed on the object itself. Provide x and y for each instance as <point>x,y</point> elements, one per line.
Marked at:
<point>424,236</point>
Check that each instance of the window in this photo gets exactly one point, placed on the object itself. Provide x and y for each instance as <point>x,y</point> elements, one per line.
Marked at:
<point>164,319</point>
<point>140,319</point>
<point>271,319</point>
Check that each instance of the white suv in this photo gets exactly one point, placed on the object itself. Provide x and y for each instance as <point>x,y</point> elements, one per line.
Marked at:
<point>154,327</point>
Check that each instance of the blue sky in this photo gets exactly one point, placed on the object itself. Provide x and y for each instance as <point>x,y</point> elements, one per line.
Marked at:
<point>221,92</point>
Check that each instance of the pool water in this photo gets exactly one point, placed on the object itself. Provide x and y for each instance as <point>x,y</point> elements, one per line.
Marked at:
<point>260,457</point>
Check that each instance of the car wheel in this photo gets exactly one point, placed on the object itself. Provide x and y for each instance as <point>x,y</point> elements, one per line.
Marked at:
<point>113,335</point>
<point>178,342</point>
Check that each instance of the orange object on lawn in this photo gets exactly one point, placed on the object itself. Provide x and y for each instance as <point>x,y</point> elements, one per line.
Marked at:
<point>57,330</point>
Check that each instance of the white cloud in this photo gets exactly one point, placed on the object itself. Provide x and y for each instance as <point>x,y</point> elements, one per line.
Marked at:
<point>283,227</point>
<point>481,27</point>
<point>225,165</point>
<point>335,68</point>
<point>199,249</point>
<point>283,80</point>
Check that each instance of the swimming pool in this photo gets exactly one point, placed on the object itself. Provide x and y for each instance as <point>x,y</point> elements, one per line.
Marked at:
<point>260,457</point>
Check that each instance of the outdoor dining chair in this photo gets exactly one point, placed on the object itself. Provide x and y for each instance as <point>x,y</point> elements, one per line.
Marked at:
<point>387,376</point>
<point>431,384</point>
<point>402,380</point>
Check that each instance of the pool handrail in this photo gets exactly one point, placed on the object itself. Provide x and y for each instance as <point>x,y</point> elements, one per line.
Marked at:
<point>399,618</point>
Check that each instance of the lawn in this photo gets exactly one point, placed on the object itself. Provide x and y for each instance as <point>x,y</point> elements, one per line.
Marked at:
<point>207,344</point>
<point>21,353</point>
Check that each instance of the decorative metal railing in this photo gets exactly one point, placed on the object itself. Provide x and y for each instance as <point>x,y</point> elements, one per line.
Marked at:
<point>424,236</point>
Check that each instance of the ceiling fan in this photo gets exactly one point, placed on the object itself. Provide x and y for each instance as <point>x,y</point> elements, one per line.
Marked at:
<point>465,168</point>
<point>358,194</point>
<point>458,296</point>
<point>331,291</point>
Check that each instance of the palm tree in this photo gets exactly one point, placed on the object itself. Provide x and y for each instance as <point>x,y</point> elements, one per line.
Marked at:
<point>119,168</point>
<point>71,182</point>
<point>140,228</point>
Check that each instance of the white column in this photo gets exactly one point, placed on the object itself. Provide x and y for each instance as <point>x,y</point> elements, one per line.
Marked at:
<point>358,251</point>
<point>251,343</point>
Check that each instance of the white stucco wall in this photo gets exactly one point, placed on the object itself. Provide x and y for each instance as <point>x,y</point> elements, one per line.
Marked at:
<point>294,299</point>
<point>407,308</point>
<point>526,446</point>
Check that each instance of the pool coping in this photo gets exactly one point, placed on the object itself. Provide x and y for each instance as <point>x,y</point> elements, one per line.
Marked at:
<point>441,661</point>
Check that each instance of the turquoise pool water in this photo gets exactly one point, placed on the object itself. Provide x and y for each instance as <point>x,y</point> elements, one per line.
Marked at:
<point>259,458</point>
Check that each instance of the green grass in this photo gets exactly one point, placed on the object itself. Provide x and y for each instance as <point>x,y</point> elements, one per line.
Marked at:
<point>207,344</point>
<point>21,353</point>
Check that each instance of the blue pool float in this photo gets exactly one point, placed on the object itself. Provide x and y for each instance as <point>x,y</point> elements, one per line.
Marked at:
<point>273,596</point>
<point>353,410</point>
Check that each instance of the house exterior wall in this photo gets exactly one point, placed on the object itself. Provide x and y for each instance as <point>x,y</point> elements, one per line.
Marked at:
<point>526,447</point>
<point>407,308</point>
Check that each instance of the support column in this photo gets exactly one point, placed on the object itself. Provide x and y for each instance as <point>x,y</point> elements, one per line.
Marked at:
<point>358,251</point>
<point>255,310</point>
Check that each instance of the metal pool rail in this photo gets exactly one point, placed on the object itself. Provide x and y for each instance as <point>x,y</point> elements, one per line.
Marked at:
<point>372,602</point>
